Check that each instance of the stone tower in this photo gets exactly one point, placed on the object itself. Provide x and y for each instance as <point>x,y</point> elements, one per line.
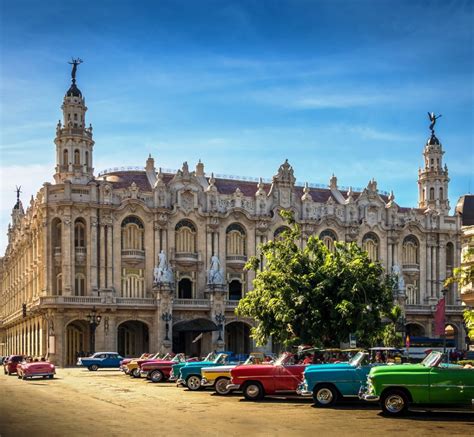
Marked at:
<point>73,140</point>
<point>433,178</point>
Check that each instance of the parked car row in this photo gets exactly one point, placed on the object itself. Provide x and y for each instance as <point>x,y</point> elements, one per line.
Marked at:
<point>27,367</point>
<point>394,384</point>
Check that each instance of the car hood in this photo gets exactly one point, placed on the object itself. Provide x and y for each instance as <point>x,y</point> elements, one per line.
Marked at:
<point>398,368</point>
<point>329,366</point>
<point>219,369</point>
<point>198,364</point>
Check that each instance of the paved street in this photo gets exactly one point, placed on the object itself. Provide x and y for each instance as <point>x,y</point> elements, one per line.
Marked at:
<point>108,403</point>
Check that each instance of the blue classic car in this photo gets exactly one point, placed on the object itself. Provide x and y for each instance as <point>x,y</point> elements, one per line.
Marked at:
<point>328,383</point>
<point>101,360</point>
<point>190,373</point>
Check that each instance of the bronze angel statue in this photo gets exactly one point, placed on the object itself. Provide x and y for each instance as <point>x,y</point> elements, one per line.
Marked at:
<point>433,118</point>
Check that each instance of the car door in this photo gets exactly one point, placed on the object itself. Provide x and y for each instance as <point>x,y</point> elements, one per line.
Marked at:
<point>451,385</point>
<point>288,377</point>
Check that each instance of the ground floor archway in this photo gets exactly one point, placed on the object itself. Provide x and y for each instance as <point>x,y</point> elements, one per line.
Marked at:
<point>415,330</point>
<point>133,338</point>
<point>237,337</point>
<point>77,341</point>
<point>193,337</point>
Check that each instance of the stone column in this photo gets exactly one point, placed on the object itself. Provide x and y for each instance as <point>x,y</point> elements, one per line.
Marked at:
<point>110,257</point>
<point>429,291</point>
<point>92,254</point>
<point>66,256</point>
<point>217,295</point>
<point>102,249</point>
<point>164,299</point>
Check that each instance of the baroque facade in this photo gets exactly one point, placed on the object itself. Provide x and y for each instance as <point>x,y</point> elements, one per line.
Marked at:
<point>91,245</point>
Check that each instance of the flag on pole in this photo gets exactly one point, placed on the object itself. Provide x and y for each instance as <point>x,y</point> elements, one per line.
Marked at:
<point>197,338</point>
<point>439,317</point>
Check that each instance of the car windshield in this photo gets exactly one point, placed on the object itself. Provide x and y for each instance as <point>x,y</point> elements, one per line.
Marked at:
<point>432,360</point>
<point>211,356</point>
<point>220,359</point>
<point>358,359</point>
<point>284,358</point>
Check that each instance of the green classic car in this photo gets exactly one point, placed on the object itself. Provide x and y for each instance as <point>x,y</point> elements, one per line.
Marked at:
<point>430,383</point>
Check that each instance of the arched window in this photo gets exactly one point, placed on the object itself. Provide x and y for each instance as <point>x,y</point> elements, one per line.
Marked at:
<point>235,238</point>
<point>133,283</point>
<point>279,231</point>
<point>65,157</point>
<point>410,250</point>
<point>328,237</point>
<point>79,233</point>
<point>80,285</point>
<point>59,284</point>
<point>57,233</point>
<point>449,256</point>
<point>431,193</point>
<point>77,157</point>
<point>185,289</point>
<point>132,233</point>
<point>441,193</point>
<point>185,237</point>
<point>235,290</point>
<point>370,243</point>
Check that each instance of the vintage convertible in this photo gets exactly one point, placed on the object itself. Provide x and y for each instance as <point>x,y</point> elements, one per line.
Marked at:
<point>11,362</point>
<point>211,356</point>
<point>133,367</point>
<point>219,377</point>
<point>190,374</point>
<point>42,369</point>
<point>430,383</point>
<point>101,360</point>
<point>328,383</point>
<point>259,380</point>
<point>160,370</point>
<point>125,361</point>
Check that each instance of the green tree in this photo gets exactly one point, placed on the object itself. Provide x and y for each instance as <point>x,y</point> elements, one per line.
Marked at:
<point>313,295</point>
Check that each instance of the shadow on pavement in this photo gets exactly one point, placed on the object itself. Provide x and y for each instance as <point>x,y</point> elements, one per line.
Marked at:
<point>435,416</point>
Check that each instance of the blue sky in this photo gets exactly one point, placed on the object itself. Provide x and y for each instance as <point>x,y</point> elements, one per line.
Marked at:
<point>334,86</point>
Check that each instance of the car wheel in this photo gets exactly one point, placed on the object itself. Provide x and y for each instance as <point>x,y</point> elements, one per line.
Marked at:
<point>93,367</point>
<point>23,377</point>
<point>156,376</point>
<point>50,376</point>
<point>324,395</point>
<point>221,386</point>
<point>253,391</point>
<point>136,372</point>
<point>193,382</point>
<point>394,402</point>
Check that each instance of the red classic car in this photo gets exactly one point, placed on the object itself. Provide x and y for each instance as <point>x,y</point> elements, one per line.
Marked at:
<point>256,381</point>
<point>125,361</point>
<point>159,370</point>
<point>32,369</point>
<point>10,364</point>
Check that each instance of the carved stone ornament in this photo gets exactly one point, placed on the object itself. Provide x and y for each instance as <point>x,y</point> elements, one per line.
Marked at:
<point>187,201</point>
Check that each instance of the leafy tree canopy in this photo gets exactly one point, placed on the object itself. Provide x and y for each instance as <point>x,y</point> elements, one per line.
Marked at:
<point>315,296</point>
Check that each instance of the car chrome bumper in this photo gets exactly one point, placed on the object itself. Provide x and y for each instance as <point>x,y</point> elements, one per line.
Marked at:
<point>233,386</point>
<point>365,395</point>
<point>206,383</point>
<point>31,375</point>
<point>302,390</point>
<point>180,382</point>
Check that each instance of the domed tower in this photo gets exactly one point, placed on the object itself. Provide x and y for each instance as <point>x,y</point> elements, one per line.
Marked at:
<point>73,140</point>
<point>433,178</point>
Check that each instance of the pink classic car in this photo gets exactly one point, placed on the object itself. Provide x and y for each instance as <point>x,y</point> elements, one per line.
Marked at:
<point>43,369</point>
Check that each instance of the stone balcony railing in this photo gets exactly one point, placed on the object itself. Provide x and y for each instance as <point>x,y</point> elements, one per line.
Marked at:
<point>231,304</point>
<point>81,253</point>
<point>57,251</point>
<point>411,268</point>
<point>186,257</point>
<point>133,255</point>
<point>429,309</point>
<point>236,260</point>
<point>191,303</point>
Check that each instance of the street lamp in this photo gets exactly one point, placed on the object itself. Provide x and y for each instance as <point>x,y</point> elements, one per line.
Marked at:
<point>166,317</point>
<point>220,319</point>
<point>94,320</point>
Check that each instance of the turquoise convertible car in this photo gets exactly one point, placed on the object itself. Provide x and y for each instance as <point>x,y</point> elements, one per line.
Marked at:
<point>328,383</point>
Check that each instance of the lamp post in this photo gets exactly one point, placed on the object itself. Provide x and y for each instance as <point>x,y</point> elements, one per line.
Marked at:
<point>166,317</point>
<point>94,320</point>
<point>220,319</point>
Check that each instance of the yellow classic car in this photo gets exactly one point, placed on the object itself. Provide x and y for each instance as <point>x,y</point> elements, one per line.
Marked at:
<point>219,377</point>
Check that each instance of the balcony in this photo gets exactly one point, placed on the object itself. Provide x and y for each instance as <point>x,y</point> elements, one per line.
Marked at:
<point>81,254</point>
<point>190,304</point>
<point>231,304</point>
<point>135,301</point>
<point>236,261</point>
<point>133,256</point>
<point>411,268</point>
<point>186,257</point>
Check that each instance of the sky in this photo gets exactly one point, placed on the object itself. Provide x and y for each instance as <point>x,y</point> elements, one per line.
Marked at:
<point>336,86</point>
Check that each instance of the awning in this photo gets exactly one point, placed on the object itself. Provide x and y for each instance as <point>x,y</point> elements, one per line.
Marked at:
<point>196,325</point>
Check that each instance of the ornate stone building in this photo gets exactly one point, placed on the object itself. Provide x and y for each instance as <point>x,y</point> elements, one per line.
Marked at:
<point>92,243</point>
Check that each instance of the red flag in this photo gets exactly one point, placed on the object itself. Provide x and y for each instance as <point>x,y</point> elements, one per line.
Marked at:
<point>440,317</point>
